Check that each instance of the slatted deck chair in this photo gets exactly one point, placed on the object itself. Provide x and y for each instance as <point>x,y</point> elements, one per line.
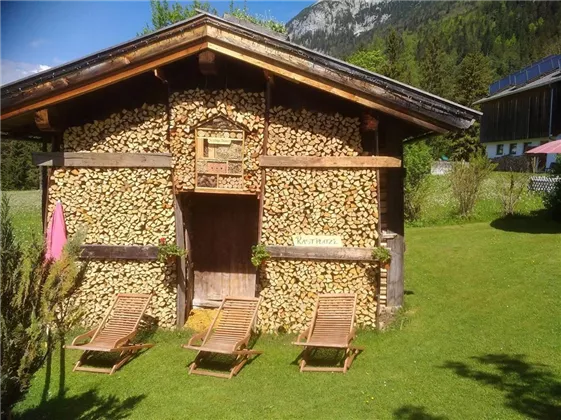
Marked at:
<point>229,333</point>
<point>332,327</point>
<point>113,335</point>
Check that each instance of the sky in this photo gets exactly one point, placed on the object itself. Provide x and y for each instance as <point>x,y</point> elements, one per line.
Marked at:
<point>38,35</point>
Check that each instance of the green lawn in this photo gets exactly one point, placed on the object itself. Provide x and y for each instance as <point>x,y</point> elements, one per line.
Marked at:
<point>26,213</point>
<point>480,339</point>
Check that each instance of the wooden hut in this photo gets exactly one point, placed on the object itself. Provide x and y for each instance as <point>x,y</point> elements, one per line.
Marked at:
<point>219,136</point>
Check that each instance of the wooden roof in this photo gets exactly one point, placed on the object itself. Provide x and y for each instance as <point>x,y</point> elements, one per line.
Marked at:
<point>205,31</point>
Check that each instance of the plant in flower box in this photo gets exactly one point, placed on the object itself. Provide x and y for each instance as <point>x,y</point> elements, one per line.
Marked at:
<point>259,255</point>
<point>382,255</point>
<point>168,252</point>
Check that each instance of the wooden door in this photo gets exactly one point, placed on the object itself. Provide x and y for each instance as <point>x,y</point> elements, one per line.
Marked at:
<point>224,228</point>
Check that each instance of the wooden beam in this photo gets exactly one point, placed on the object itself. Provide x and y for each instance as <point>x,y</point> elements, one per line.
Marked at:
<point>207,63</point>
<point>100,83</point>
<point>264,153</point>
<point>180,263</point>
<point>103,160</point>
<point>329,162</point>
<point>311,79</point>
<point>320,253</point>
<point>395,282</point>
<point>45,184</point>
<point>119,252</point>
<point>43,120</point>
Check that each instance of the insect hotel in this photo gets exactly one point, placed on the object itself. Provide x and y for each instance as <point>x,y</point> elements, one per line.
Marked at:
<point>215,135</point>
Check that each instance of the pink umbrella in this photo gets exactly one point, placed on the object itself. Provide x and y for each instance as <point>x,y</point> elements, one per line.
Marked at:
<point>551,147</point>
<point>56,234</point>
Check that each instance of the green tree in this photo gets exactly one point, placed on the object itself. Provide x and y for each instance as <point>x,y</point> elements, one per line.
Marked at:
<point>17,170</point>
<point>266,21</point>
<point>394,52</point>
<point>465,144</point>
<point>164,14</point>
<point>20,329</point>
<point>435,68</point>
<point>369,59</point>
<point>473,78</point>
<point>417,160</point>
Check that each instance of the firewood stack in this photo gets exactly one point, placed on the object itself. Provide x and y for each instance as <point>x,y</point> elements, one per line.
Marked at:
<point>290,289</point>
<point>306,133</point>
<point>340,202</point>
<point>141,130</point>
<point>122,206</point>
<point>192,107</point>
<point>105,278</point>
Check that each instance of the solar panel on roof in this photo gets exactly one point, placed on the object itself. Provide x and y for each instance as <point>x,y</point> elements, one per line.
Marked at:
<point>533,71</point>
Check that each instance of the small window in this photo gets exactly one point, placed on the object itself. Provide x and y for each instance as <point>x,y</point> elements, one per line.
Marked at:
<point>499,150</point>
<point>527,146</point>
<point>512,150</point>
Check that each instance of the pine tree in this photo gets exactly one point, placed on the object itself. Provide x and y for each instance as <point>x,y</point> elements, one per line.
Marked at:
<point>394,52</point>
<point>21,333</point>
<point>434,65</point>
<point>473,78</point>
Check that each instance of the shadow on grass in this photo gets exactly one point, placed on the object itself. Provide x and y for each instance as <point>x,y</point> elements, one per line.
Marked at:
<point>87,406</point>
<point>414,412</point>
<point>536,222</point>
<point>530,389</point>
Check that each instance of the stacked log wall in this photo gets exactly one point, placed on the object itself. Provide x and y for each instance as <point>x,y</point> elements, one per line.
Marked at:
<point>134,206</point>
<point>121,206</point>
<point>341,202</point>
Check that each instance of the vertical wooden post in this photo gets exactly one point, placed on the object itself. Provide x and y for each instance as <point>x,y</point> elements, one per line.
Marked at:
<point>395,286</point>
<point>268,79</point>
<point>45,175</point>
<point>180,261</point>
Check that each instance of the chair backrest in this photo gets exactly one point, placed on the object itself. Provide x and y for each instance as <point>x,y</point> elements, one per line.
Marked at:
<point>334,317</point>
<point>235,318</point>
<point>123,316</point>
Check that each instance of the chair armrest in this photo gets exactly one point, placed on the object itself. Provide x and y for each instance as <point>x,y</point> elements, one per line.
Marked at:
<point>124,340</point>
<point>244,340</point>
<point>197,337</point>
<point>302,335</point>
<point>89,334</point>
<point>351,335</point>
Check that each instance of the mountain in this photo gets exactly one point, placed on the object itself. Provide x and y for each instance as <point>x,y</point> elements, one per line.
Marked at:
<point>337,27</point>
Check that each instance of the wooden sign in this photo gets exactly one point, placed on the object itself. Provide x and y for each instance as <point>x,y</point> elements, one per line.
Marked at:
<point>317,240</point>
<point>219,140</point>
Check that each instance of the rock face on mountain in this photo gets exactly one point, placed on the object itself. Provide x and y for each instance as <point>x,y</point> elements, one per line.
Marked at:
<point>337,27</point>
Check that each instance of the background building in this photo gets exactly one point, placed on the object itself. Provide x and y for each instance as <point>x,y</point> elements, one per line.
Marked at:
<point>523,110</point>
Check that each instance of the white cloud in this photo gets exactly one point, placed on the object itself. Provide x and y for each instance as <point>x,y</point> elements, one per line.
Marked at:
<point>36,43</point>
<point>15,70</point>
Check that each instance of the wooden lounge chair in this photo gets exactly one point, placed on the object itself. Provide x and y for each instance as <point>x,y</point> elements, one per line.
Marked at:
<point>332,327</point>
<point>229,333</point>
<point>118,328</point>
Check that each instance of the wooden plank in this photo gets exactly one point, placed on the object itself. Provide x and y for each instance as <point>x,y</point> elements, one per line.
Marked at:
<point>119,252</point>
<point>320,253</point>
<point>103,160</point>
<point>122,74</point>
<point>181,265</point>
<point>264,153</point>
<point>395,285</point>
<point>329,162</point>
<point>45,184</point>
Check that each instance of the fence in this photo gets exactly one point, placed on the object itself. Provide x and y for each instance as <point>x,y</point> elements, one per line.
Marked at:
<point>543,183</point>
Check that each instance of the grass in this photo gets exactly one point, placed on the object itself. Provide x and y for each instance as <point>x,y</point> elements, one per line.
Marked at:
<point>479,338</point>
<point>440,208</point>
<point>26,213</point>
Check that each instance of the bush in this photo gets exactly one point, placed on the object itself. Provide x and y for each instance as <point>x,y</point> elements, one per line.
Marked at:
<point>21,332</point>
<point>466,179</point>
<point>510,188</point>
<point>417,161</point>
